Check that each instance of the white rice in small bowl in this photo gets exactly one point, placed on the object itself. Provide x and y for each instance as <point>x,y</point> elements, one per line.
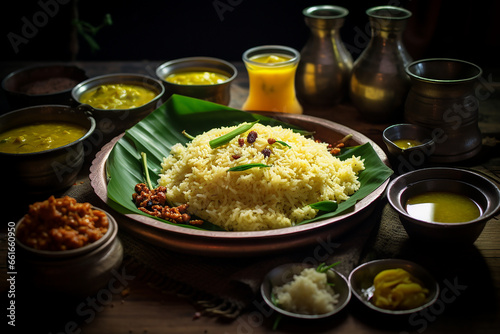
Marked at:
<point>302,173</point>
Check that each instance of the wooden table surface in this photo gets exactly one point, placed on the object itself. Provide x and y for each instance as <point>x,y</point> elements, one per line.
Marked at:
<point>141,308</point>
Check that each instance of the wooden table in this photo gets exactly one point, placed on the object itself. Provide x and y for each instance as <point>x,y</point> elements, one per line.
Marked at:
<point>140,308</point>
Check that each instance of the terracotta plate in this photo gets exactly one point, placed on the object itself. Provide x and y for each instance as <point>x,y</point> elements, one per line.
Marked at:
<point>233,244</point>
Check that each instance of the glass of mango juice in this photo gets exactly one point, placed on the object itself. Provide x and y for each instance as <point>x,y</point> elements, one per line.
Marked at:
<point>271,74</point>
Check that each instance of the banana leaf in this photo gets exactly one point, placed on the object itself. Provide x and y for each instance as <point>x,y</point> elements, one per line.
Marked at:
<point>159,131</point>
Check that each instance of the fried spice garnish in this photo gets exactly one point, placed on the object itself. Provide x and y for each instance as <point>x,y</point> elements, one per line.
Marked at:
<point>154,202</point>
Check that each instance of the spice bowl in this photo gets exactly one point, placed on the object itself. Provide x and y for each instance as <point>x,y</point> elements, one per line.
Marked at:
<point>115,119</point>
<point>78,272</point>
<point>42,84</point>
<point>461,182</point>
<point>410,146</point>
<point>217,92</point>
<point>362,277</point>
<point>48,170</point>
<point>285,273</point>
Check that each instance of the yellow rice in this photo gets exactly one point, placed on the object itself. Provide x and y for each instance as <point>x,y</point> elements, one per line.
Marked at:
<point>258,198</point>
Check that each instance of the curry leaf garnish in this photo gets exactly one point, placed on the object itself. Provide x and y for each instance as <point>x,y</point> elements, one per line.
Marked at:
<point>222,140</point>
<point>145,167</point>
<point>325,206</point>
<point>241,168</point>
<point>323,268</point>
<point>187,135</point>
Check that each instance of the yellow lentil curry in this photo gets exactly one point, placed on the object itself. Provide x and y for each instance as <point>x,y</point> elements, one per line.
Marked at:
<point>39,137</point>
<point>117,96</point>
<point>196,78</point>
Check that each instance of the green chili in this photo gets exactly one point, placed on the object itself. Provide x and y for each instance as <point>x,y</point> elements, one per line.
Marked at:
<point>246,167</point>
<point>146,172</point>
<point>222,140</point>
<point>283,143</point>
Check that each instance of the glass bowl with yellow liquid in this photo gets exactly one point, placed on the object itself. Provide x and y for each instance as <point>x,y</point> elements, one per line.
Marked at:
<point>271,74</point>
<point>410,146</point>
<point>443,204</point>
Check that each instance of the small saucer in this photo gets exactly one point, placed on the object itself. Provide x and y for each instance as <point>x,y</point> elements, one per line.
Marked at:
<point>285,273</point>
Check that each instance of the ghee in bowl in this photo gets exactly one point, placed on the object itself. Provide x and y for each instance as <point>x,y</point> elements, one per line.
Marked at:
<point>271,74</point>
<point>39,137</point>
<point>444,184</point>
<point>443,207</point>
<point>406,143</point>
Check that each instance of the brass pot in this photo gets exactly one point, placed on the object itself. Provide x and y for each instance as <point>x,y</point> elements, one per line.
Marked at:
<point>379,83</point>
<point>442,98</point>
<point>325,64</point>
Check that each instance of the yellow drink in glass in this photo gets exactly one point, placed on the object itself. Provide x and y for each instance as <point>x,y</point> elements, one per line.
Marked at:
<point>271,73</point>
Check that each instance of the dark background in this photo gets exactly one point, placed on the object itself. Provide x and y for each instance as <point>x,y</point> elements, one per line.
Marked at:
<point>165,30</point>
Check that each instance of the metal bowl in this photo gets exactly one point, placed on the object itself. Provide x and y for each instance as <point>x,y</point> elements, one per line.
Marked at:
<point>217,93</point>
<point>443,97</point>
<point>49,170</point>
<point>481,190</point>
<point>76,272</point>
<point>284,274</point>
<point>404,160</point>
<point>23,86</point>
<point>115,121</point>
<point>361,281</point>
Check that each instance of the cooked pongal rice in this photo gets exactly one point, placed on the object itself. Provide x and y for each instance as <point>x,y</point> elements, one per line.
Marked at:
<point>259,198</point>
<point>307,293</point>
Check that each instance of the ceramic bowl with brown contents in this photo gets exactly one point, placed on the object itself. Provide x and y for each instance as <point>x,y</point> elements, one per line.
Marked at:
<point>42,84</point>
<point>68,247</point>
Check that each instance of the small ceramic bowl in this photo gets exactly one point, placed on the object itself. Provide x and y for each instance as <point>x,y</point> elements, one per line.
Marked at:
<point>460,181</point>
<point>217,93</point>
<point>115,121</point>
<point>77,272</point>
<point>361,281</point>
<point>44,84</point>
<point>49,170</point>
<point>405,159</point>
<point>285,273</point>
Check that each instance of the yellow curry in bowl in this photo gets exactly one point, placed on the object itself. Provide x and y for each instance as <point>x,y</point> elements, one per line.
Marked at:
<point>196,78</point>
<point>117,96</point>
<point>39,137</point>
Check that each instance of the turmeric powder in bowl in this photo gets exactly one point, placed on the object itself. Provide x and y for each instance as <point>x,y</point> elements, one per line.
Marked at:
<point>397,289</point>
